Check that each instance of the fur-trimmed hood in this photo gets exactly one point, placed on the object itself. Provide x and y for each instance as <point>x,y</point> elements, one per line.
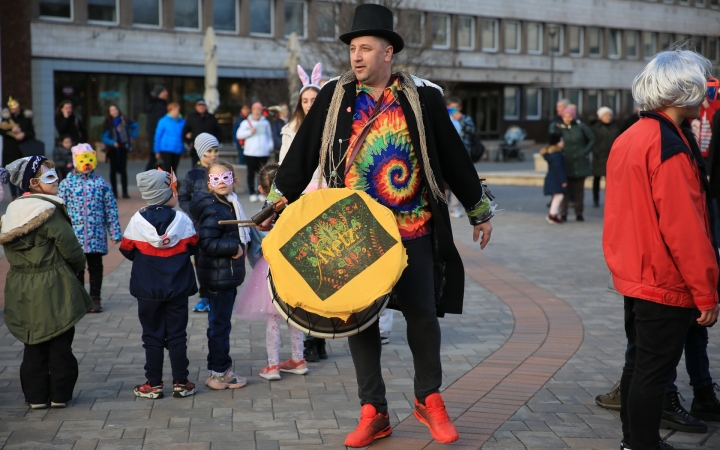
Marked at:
<point>550,149</point>
<point>27,214</point>
<point>28,114</point>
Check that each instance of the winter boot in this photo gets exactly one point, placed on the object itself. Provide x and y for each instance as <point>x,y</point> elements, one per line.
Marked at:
<point>311,353</point>
<point>675,417</point>
<point>705,404</point>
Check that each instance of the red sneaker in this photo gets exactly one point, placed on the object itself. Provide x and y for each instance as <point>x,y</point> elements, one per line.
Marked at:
<point>373,425</point>
<point>434,415</point>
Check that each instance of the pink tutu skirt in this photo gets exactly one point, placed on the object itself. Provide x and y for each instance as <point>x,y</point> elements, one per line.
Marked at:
<point>254,302</point>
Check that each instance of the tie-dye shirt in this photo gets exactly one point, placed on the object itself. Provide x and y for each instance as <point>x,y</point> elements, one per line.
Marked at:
<point>386,167</point>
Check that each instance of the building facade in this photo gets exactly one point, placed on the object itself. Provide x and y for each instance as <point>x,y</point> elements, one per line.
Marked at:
<point>494,54</point>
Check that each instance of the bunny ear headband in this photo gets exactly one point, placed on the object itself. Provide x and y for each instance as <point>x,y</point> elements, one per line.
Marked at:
<point>308,82</point>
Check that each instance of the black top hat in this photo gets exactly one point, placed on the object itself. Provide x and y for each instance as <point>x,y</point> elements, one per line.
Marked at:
<point>374,20</point>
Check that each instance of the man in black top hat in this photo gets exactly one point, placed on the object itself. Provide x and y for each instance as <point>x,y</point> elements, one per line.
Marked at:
<point>405,169</point>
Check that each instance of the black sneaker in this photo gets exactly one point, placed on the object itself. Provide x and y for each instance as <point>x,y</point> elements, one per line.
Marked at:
<point>611,400</point>
<point>705,404</point>
<point>675,417</point>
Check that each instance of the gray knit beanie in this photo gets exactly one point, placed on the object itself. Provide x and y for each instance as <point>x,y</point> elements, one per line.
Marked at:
<point>204,142</point>
<point>154,185</point>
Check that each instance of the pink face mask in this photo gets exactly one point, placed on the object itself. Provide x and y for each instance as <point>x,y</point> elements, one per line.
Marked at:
<point>216,178</point>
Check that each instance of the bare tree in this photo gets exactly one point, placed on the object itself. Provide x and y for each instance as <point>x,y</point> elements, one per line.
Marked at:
<point>415,58</point>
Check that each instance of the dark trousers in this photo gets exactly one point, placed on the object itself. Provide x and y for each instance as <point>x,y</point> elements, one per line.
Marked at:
<point>164,325</point>
<point>49,370</point>
<point>254,164</point>
<point>696,358</point>
<point>576,192</point>
<point>218,332</point>
<point>415,295</point>
<point>170,161</point>
<point>117,157</point>
<point>656,336</point>
<point>95,270</point>
<point>596,190</point>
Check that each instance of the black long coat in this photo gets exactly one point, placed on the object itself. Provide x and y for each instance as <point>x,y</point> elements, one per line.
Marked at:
<point>449,161</point>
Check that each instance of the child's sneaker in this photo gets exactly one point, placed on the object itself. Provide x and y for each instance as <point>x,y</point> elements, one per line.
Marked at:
<point>149,391</point>
<point>270,373</point>
<point>227,380</point>
<point>183,388</point>
<point>292,366</point>
<point>203,305</point>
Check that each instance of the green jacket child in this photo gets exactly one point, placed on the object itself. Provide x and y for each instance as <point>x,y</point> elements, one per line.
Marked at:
<point>43,298</point>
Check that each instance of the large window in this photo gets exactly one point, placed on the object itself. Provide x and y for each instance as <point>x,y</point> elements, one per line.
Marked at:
<point>440,31</point>
<point>102,11</point>
<point>489,35</point>
<point>595,41</point>
<point>295,17</point>
<point>414,27</point>
<point>632,44</point>
<point>556,40</point>
<point>534,38</point>
<point>665,40</point>
<point>512,103</point>
<point>533,103</point>
<point>649,44</point>
<point>225,15</point>
<point>187,14</point>
<point>614,44</point>
<point>593,100</point>
<point>575,41</point>
<point>56,9</point>
<point>147,13</point>
<point>466,33</point>
<point>261,17</point>
<point>325,16</point>
<point>512,36</point>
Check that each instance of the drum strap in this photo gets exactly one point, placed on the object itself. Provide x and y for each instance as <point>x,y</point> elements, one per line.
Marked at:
<point>363,134</point>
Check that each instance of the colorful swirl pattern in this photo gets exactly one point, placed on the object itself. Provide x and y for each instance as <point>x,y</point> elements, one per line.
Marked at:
<point>386,166</point>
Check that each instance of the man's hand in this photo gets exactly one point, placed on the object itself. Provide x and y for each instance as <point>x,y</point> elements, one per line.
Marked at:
<point>709,317</point>
<point>486,230</point>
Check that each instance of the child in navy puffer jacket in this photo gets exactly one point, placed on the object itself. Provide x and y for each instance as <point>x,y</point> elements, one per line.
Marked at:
<point>220,266</point>
<point>159,242</point>
<point>207,148</point>
<point>93,210</point>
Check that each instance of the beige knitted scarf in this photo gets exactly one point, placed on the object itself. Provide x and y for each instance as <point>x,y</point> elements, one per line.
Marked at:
<point>407,84</point>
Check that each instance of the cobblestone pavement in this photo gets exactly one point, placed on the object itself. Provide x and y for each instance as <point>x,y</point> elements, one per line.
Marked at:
<point>318,409</point>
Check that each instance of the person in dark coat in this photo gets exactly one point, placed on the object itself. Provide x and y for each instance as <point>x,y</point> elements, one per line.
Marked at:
<point>433,282</point>
<point>156,110</point>
<point>70,124</point>
<point>555,179</point>
<point>16,127</point>
<point>579,142</point>
<point>200,121</point>
<point>605,131</point>
<point>220,266</point>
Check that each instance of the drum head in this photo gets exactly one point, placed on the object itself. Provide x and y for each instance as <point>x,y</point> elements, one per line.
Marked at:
<point>324,327</point>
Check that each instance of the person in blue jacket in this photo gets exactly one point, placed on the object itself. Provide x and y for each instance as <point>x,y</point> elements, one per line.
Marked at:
<point>168,144</point>
<point>119,132</point>
<point>556,178</point>
<point>159,241</point>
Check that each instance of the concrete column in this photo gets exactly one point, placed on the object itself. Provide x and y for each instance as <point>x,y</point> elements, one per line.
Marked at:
<point>168,14</point>
<point>126,13</point>
<point>80,11</point>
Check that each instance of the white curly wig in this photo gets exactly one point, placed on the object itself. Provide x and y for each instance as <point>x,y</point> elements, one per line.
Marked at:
<point>676,77</point>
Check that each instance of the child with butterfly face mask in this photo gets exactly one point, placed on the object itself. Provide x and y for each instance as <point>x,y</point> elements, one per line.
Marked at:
<point>220,266</point>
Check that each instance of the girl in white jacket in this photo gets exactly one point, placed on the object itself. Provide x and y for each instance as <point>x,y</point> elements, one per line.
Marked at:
<point>257,133</point>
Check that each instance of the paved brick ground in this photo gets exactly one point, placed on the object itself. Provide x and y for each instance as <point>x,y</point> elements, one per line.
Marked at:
<point>550,409</point>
